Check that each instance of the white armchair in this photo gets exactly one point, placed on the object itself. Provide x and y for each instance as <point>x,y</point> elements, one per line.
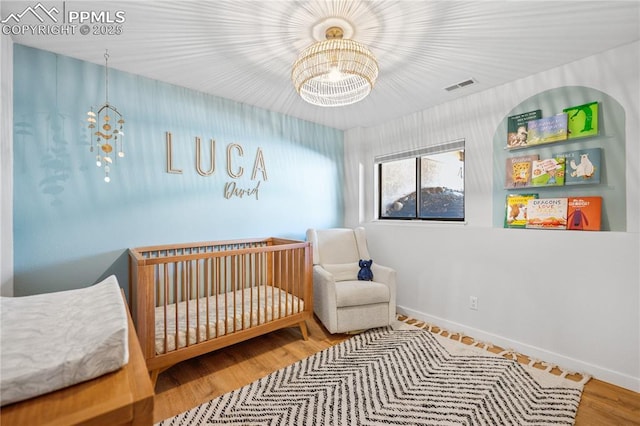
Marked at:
<point>340,300</point>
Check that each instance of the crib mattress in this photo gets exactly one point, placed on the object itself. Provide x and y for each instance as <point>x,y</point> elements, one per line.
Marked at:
<point>228,313</point>
<point>51,341</point>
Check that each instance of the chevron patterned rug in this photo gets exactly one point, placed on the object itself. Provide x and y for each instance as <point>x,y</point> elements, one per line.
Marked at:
<point>396,377</point>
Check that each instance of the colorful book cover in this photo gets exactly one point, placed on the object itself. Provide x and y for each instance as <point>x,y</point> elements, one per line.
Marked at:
<point>583,166</point>
<point>548,172</point>
<point>547,213</point>
<point>584,213</point>
<point>518,171</point>
<point>547,130</point>
<point>516,210</point>
<point>582,120</point>
<point>517,128</point>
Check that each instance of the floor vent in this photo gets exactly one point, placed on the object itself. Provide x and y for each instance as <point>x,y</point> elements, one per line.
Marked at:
<point>460,85</point>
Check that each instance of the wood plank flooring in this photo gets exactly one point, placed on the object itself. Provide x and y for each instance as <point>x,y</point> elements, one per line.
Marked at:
<point>200,379</point>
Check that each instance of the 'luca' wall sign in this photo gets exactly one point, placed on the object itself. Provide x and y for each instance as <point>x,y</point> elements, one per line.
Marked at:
<point>234,171</point>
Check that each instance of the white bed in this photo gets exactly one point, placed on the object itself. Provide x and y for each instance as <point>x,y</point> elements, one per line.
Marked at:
<point>51,341</point>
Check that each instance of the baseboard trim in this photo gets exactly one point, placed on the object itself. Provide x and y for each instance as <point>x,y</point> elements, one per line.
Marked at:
<point>607,375</point>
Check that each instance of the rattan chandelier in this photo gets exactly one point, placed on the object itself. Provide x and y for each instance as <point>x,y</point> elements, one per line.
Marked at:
<point>334,72</point>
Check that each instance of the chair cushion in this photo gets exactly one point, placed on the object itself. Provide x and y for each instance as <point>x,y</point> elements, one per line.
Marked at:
<point>337,245</point>
<point>355,293</point>
<point>343,271</point>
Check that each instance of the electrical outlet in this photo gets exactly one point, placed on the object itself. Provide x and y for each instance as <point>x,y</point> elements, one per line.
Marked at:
<point>473,303</point>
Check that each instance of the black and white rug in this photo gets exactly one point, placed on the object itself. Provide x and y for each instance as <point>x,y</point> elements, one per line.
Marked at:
<point>396,377</point>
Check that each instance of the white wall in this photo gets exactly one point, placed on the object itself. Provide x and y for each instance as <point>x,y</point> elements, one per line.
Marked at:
<point>578,303</point>
<point>6,166</point>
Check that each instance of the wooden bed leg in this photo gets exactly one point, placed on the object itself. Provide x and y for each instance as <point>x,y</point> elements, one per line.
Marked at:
<point>154,377</point>
<point>303,330</point>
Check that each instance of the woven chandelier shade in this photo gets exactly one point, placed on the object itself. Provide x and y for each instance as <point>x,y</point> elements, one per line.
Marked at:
<point>334,72</point>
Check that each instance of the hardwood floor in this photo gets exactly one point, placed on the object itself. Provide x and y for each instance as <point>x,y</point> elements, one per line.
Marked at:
<point>200,379</point>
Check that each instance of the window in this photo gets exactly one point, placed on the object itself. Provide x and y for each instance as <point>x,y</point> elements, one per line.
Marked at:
<point>438,173</point>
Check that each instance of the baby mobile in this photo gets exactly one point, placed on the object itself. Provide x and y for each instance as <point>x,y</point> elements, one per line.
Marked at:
<point>107,125</point>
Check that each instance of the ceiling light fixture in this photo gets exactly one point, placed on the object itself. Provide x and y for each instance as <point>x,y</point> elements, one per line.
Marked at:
<point>334,72</point>
<point>108,124</point>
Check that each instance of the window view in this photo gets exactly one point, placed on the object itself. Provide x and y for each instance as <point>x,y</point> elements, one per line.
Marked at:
<point>438,172</point>
<point>398,188</point>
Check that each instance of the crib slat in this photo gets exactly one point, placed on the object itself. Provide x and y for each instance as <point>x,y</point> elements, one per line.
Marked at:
<point>185,298</point>
<point>225,307</point>
<point>287,273</point>
<point>164,305</point>
<point>197,285</point>
<point>300,277</point>
<point>259,283</point>
<point>207,294</point>
<point>177,299</point>
<point>217,292</point>
<point>276,272</point>
<point>243,277</point>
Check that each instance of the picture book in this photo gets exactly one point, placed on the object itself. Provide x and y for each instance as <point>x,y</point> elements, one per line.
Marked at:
<point>516,210</point>
<point>548,172</point>
<point>547,130</point>
<point>583,166</point>
<point>582,120</point>
<point>517,128</point>
<point>547,213</point>
<point>584,213</point>
<point>518,171</point>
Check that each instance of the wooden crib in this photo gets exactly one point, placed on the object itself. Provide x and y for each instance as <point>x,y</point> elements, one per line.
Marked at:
<point>190,299</point>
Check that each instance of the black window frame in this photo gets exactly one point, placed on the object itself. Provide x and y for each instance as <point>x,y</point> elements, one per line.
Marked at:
<point>418,154</point>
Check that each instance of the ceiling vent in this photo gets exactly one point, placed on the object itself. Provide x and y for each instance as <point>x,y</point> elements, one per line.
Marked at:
<point>460,85</point>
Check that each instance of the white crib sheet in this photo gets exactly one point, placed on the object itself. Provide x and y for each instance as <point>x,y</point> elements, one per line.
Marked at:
<point>51,341</point>
<point>261,304</point>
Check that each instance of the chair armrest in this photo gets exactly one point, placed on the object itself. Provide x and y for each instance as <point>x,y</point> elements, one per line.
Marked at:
<point>383,274</point>
<point>322,275</point>
<point>387,276</point>
<point>324,297</point>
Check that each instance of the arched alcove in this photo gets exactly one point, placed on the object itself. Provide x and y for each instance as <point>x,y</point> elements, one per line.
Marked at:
<point>611,139</point>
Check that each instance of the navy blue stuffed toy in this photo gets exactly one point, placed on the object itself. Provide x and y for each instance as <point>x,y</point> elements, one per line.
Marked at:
<point>365,273</point>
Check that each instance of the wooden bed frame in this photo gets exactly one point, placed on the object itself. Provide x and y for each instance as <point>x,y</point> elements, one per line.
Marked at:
<point>217,294</point>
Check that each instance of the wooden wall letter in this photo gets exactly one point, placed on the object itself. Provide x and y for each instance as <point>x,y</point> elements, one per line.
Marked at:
<point>259,166</point>
<point>170,168</point>
<point>241,153</point>
<point>211,158</point>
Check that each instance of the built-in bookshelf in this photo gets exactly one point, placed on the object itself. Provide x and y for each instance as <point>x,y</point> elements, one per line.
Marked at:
<point>560,148</point>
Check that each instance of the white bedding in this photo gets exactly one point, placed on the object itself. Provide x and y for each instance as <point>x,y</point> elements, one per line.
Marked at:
<point>51,341</point>
<point>261,304</point>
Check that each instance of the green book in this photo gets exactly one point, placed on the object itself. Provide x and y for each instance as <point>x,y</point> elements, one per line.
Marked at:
<point>582,120</point>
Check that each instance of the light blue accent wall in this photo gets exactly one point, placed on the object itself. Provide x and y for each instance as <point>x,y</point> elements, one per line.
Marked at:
<point>72,229</point>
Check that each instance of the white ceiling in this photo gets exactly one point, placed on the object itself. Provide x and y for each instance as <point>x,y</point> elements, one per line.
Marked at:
<point>243,50</point>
